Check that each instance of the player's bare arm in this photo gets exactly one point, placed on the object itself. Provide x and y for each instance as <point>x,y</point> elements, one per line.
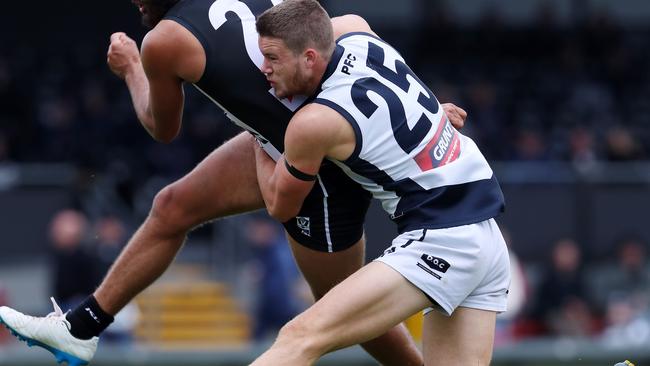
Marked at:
<point>155,77</point>
<point>124,61</point>
<point>314,133</point>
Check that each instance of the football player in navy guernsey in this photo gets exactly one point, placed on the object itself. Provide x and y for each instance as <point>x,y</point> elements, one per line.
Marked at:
<point>214,46</point>
<point>373,117</point>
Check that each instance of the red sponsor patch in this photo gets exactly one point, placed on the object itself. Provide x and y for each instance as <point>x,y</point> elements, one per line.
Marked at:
<point>443,148</point>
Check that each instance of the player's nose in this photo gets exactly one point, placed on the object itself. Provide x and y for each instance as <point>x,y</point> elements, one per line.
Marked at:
<point>266,68</point>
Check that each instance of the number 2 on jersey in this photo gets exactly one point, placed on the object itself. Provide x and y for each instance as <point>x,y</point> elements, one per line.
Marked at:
<point>217,15</point>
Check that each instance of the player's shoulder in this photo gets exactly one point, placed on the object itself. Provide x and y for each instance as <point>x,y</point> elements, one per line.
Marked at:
<point>314,122</point>
<point>170,47</point>
<point>350,23</point>
<point>313,115</point>
<point>317,127</point>
<point>165,35</point>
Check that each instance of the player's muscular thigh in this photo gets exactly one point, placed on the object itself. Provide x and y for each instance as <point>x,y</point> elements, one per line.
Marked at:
<point>224,183</point>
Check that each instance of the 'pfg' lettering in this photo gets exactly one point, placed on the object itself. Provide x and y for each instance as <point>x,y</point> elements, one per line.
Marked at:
<point>347,63</point>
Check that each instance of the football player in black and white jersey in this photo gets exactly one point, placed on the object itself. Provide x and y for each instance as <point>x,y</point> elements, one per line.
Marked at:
<point>212,44</point>
<point>373,117</point>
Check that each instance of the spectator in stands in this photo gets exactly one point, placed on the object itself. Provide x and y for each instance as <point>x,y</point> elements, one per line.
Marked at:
<point>631,278</point>
<point>621,145</point>
<point>72,266</point>
<point>582,149</point>
<point>623,290</point>
<point>530,145</point>
<point>562,304</point>
<point>627,323</point>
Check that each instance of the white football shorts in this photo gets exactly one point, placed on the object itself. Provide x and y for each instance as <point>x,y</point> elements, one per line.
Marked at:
<point>464,266</point>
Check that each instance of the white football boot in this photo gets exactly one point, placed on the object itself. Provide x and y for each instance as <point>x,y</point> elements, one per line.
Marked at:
<point>52,333</point>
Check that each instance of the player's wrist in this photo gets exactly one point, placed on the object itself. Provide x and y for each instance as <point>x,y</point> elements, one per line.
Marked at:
<point>134,71</point>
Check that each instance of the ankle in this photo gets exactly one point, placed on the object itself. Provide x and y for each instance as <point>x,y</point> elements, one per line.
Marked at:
<point>88,319</point>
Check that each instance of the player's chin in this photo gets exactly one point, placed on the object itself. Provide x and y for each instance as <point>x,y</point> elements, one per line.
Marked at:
<point>280,94</point>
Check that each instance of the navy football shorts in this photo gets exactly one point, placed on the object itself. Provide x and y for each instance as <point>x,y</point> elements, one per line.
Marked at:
<point>331,218</point>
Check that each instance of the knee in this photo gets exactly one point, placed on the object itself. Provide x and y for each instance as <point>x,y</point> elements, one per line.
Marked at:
<point>168,212</point>
<point>303,337</point>
<point>292,331</point>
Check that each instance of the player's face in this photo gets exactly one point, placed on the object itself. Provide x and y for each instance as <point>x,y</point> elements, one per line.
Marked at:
<point>282,68</point>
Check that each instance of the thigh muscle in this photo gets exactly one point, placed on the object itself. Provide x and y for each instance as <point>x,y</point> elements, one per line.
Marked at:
<point>223,184</point>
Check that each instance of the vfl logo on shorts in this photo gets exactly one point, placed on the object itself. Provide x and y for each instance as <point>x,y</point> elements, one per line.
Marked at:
<point>435,263</point>
<point>304,225</point>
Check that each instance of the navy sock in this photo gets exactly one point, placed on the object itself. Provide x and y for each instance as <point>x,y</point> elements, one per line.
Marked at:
<point>88,320</point>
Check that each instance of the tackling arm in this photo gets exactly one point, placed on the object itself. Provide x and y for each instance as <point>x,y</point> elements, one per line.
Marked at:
<point>315,132</point>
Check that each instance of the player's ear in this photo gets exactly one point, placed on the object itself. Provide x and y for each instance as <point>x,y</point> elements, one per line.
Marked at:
<point>310,55</point>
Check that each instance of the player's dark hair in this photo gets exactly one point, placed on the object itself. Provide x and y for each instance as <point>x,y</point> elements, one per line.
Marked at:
<point>154,10</point>
<point>301,24</point>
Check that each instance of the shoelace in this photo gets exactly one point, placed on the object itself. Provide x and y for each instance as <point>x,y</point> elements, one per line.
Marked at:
<point>57,310</point>
<point>57,316</point>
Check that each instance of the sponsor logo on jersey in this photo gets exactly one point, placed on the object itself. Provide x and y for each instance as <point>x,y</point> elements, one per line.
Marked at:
<point>304,225</point>
<point>443,148</point>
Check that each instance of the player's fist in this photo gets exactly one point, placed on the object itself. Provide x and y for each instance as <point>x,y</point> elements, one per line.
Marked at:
<point>122,55</point>
<point>456,115</point>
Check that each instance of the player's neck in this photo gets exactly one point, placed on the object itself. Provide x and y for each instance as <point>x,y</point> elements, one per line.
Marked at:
<point>318,71</point>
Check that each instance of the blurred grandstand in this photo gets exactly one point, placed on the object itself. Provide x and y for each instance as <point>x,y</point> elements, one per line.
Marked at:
<point>558,96</point>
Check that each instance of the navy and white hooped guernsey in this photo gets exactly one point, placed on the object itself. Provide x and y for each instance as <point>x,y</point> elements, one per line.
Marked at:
<point>425,173</point>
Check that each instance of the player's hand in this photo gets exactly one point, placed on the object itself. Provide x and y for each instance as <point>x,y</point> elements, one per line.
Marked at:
<point>123,54</point>
<point>261,156</point>
<point>264,164</point>
<point>456,115</point>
